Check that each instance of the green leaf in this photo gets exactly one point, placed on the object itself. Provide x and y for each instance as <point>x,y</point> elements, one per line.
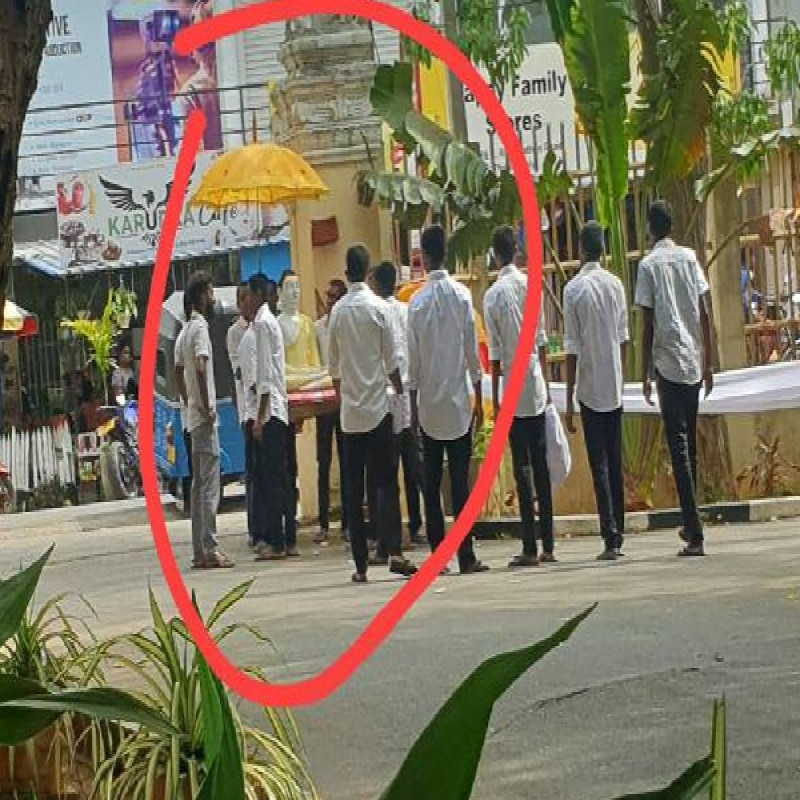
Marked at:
<point>19,725</point>
<point>697,779</point>
<point>431,139</point>
<point>234,596</point>
<point>560,18</point>
<point>392,98</point>
<point>408,197</point>
<point>719,752</point>
<point>100,703</point>
<point>15,596</point>
<point>443,762</point>
<point>225,777</point>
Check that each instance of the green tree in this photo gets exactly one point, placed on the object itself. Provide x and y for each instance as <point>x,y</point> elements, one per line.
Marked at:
<point>23,33</point>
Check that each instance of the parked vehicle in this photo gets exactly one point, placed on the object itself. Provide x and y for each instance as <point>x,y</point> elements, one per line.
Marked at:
<point>120,475</point>
<point>171,459</point>
<point>7,494</point>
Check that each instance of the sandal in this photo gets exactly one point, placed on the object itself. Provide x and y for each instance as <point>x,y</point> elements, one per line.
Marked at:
<point>272,555</point>
<point>218,560</point>
<point>402,566</point>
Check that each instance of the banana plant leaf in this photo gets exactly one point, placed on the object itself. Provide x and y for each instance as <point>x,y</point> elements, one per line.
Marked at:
<point>719,752</point>
<point>443,763</point>
<point>392,99</point>
<point>697,780</point>
<point>15,596</point>
<point>27,709</point>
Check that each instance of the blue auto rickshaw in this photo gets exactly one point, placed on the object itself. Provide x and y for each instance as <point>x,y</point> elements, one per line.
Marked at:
<point>171,459</point>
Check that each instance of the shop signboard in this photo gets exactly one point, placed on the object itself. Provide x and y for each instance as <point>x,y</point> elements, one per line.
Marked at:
<point>112,89</point>
<point>113,217</point>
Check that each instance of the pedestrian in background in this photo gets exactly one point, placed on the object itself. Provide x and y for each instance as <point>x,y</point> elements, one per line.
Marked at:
<point>363,357</point>
<point>442,351</point>
<point>503,311</point>
<point>595,341</point>
<point>675,299</point>
<point>248,372</point>
<point>198,360</point>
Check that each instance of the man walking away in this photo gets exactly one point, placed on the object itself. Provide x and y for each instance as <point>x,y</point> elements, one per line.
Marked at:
<point>247,366</point>
<point>274,523</point>
<point>328,426</point>
<point>503,309</point>
<point>180,380</point>
<point>198,359</point>
<point>363,356</point>
<point>674,296</point>
<point>442,349</point>
<point>595,340</point>
<point>385,278</point>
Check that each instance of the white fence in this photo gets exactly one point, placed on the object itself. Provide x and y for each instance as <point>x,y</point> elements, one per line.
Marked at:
<point>37,458</point>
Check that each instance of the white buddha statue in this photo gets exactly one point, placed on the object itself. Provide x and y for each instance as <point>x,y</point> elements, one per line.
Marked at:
<point>304,369</point>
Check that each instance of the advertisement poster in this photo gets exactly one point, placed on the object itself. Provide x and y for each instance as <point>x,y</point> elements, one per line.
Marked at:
<point>154,89</point>
<point>113,217</point>
<point>112,90</point>
<point>63,129</point>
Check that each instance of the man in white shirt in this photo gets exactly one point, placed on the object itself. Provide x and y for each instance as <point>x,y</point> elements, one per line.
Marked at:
<point>275,525</point>
<point>385,279</point>
<point>442,349</point>
<point>328,426</point>
<point>595,341</point>
<point>246,365</point>
<point>503,310</point>
<point>234,337</point>
<point>198,359</point>
<point>180,380</point>
<point>363,356</point>
<point>675,299</point>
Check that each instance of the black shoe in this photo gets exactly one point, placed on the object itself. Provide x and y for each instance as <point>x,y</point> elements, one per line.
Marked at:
<point>522,561</point>
<point>608,555</point>
<point>359,577</point>
<point>474,568</point>
<point>402,566</point>
<point>692,551</point>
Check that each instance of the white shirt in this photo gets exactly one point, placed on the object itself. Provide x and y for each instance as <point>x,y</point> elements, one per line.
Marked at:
<point>595,327</point>
<point>233,339</point>
<point>248,364</point>
<point>271,363</point>
<point>197,346</point>
<point>179,362</point>
<point>442,349</point>
<point>399,405</point>
<point>321,328</point>
<point>362,354</point>
<point>672,283</point>
<point>503,309</point>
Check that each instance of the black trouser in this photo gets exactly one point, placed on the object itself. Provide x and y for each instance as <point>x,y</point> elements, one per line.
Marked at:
<point>187,481</point>
<point>528,440</point>
<point>679,403</point>
<point>602,432</point>
<point>459,452</point>
<point>273,492</point>
<point>328,426</point>
<point>373,453</point>
<point>249,476</point>
<point>412,478</point>
<point>294,494</point>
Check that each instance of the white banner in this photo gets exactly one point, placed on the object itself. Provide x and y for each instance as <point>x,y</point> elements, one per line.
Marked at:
<point>775,387</point>
<point>113,217</point>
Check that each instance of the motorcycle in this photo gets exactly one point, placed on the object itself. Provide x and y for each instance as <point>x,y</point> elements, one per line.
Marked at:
<point>7,494</point>
<point>120,475</point>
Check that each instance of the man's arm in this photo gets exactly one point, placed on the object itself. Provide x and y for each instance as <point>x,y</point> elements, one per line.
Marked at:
<point>390,346</point>
<point>707,325</point>
<point>201,365</point>
<point>180,379</point>
<point>572,371</point>
<point>647,353</point>
<point>495,351</point>
<point>473,362</point>
<point>497,371</point>
<point>572,347</point>
<point>541,344</point>
<point>263,376</point>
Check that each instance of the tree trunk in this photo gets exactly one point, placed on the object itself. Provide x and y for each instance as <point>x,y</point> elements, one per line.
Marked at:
<point>23,34</point>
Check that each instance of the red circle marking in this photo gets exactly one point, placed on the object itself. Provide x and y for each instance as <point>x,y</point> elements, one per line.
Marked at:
<point>331,678</point>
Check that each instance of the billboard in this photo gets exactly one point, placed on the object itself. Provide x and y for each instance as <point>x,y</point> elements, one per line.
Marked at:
<point>112,217</point>
<point>112,90</point>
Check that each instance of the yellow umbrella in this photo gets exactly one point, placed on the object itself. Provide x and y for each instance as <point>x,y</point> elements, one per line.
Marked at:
<point>266,174</point>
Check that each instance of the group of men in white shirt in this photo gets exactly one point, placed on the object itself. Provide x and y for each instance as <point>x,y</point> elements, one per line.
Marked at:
<point>410,379</point>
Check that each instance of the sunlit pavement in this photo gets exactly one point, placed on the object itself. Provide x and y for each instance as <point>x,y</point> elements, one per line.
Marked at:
<point>624,707</point>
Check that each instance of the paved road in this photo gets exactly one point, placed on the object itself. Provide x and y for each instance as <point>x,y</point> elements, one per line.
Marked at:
<point>623,708</point>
